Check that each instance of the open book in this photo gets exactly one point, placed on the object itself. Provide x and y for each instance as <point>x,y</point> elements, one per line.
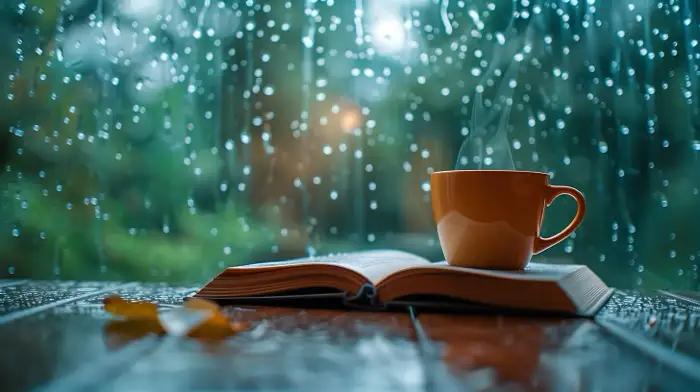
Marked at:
<point>386,279</point>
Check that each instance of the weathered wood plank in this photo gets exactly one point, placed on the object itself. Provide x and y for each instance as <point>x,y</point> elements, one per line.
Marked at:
<point>18,301</point>
<point>671,321</point>
<point>289,349</point>
<point>539,354</point>
<point>60,339</point>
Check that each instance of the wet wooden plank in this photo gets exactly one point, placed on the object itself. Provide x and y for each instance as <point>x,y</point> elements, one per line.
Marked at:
<point>59,340</point>
<point>670,320</point>
<point>289,349</point>
<point>22,299</point>
<point>162,294</point>
<point>537,354</point>
<point>685,296</point>
<point>63,345</point>
<point>12,282</point>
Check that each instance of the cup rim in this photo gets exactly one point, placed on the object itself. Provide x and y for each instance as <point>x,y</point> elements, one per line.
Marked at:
<point>465,171</point>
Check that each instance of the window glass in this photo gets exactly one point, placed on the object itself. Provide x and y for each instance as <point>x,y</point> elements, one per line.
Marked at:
<point>166,140</point>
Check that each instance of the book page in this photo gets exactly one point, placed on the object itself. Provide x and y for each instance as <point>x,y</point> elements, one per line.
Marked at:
<point>377,264</point>
<point>373,264</point>
<point>533,271</point>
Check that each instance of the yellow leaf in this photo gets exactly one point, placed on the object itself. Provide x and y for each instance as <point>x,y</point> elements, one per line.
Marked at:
<point>130,309</point>
<point>215,318</point>
<point>196,319</point>
<point>217,326</point>
<point>216,331</point>
<point>198,303</point>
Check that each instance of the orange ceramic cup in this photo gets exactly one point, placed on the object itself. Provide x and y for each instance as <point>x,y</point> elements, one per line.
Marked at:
<point>491,218</point>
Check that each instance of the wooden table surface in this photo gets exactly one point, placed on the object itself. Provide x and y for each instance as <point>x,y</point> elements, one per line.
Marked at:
<point>53,338</point>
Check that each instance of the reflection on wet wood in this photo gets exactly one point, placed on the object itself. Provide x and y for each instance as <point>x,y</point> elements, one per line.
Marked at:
<point>540,354</point>
<point>119,333</point>
<point>288,349</point>
<point>510,346</point>
<point>332,322</point>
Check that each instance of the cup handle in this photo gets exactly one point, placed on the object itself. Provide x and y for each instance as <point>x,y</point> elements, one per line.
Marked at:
<point>554,191</point>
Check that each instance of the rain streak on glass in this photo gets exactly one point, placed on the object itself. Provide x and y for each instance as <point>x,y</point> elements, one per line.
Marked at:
<point>165,140</point>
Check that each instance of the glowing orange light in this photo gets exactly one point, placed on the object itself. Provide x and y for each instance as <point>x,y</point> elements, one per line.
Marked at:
<point>349,121</point>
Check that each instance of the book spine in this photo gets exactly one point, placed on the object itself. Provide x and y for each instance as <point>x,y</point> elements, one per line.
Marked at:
<point>365,298</point>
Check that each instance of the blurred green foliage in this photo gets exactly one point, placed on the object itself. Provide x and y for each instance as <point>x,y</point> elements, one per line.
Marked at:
<point>91,193</point>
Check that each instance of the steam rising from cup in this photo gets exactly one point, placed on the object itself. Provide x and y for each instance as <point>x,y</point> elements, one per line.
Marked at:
<point>486,146</point>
